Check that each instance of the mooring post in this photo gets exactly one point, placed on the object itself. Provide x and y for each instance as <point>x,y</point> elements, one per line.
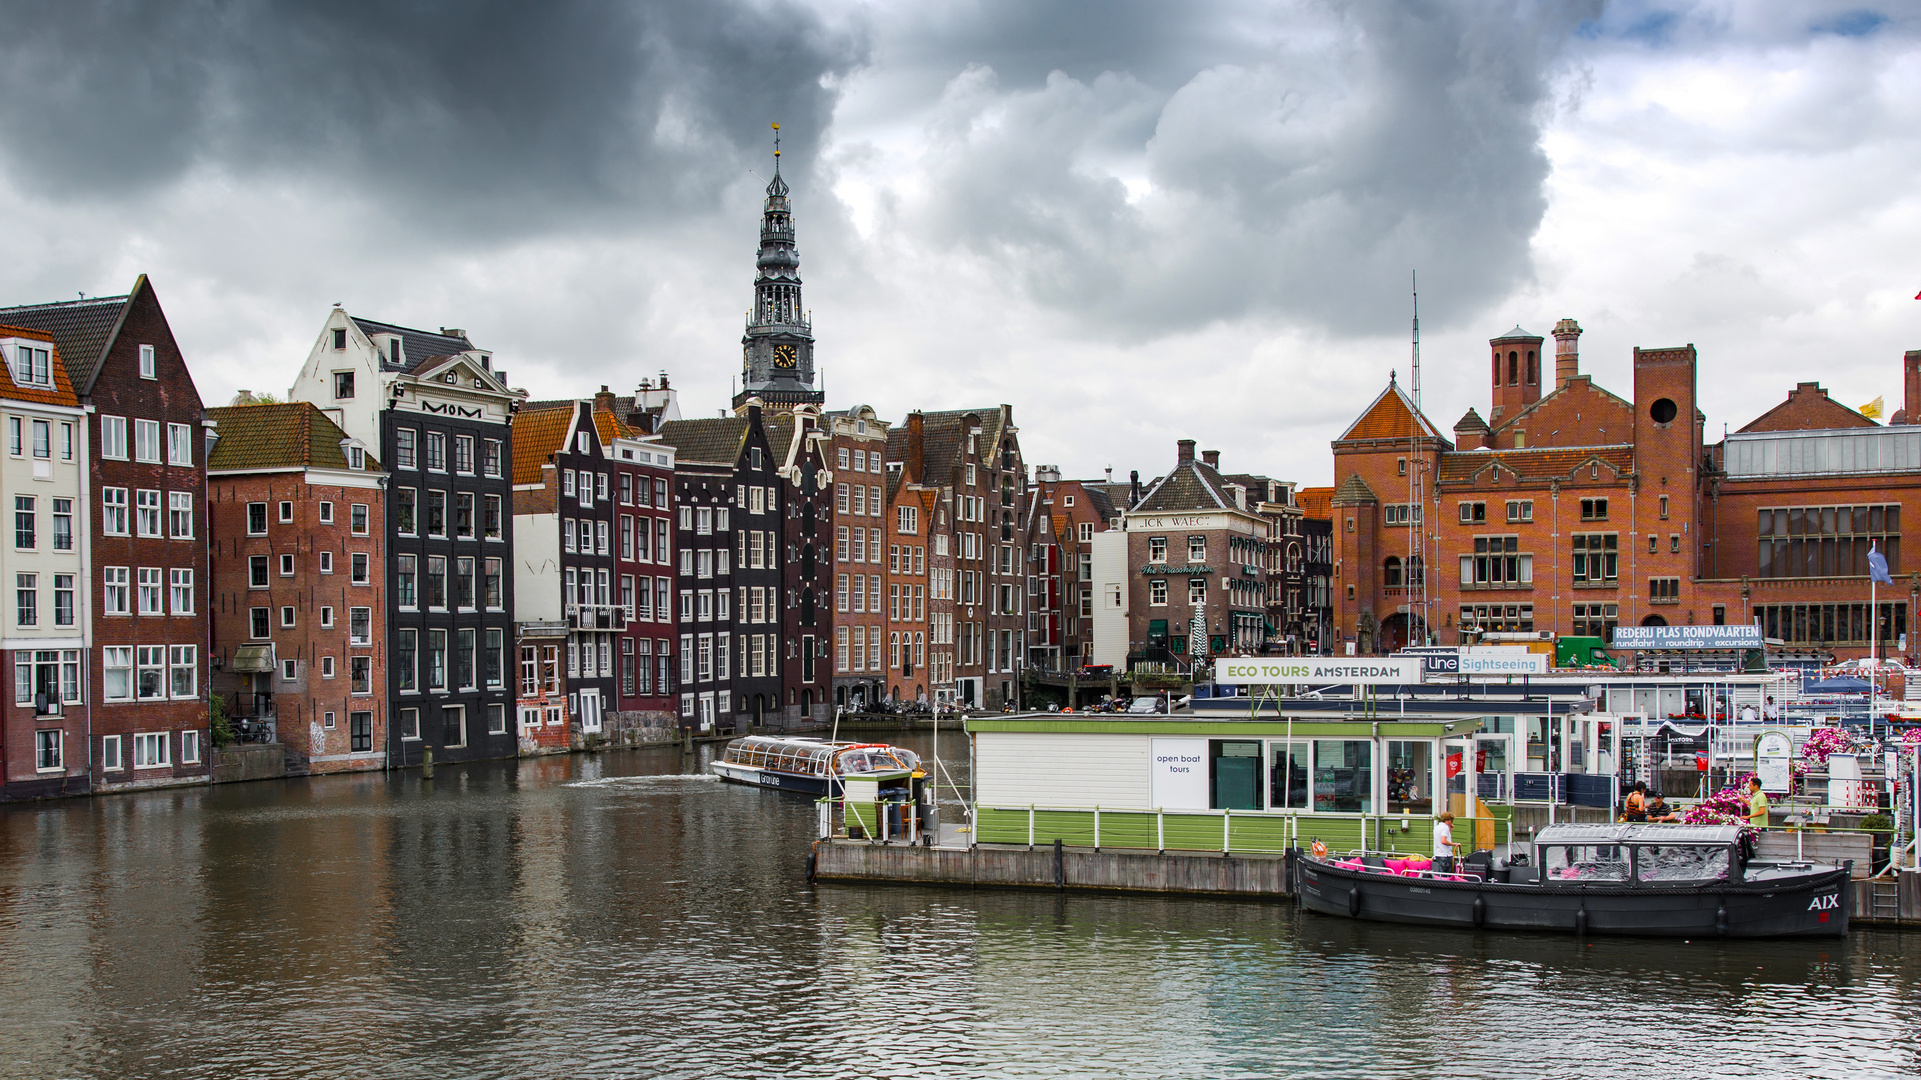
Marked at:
<point>1060,865</point>
<point>426,763</point>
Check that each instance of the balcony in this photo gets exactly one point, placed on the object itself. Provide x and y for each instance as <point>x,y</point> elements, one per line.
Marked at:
<point>596,617</point>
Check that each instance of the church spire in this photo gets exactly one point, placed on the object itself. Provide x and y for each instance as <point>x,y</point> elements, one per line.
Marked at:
<point>777,350</point>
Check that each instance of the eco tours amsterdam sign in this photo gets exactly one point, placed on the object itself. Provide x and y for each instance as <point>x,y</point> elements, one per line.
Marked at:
<point>1317,672</point>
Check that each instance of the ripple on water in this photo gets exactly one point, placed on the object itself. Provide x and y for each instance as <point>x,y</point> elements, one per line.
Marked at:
<point>542,921</point>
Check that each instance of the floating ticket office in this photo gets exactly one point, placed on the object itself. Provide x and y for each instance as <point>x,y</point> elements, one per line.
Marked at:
<point>1370,769</point>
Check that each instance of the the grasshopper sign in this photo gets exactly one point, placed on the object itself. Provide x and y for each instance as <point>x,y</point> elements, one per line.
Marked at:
<point>1317,671</point>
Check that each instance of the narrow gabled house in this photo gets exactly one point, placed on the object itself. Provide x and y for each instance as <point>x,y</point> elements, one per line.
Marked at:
<point>921,585</point>
<point>728,508</point>
<point>145,669</point>
<point>297,526</point>
<point>643,470</point>
<point>43,733</point>
<point>858,480</point>
<point>803,448</point>
<point>439,413</point>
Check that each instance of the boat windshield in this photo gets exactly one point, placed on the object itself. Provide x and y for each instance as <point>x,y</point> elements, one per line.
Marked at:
<point>1585,862</point>
<point>1680,862</point>
<point>867,759</point>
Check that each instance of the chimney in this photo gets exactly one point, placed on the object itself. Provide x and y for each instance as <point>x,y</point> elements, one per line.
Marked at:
<point>604,400</point>
<point>916,449</point>
<point>1567,351</point>
<point>1185,451</point>
<point>1911,384</point>
<point>1134,488</point>
<point>1212,457</point>
<point>1110,474</point>
<point>1047,474</point>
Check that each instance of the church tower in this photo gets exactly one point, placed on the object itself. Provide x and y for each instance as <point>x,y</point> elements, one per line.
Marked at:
<point>777,351</point>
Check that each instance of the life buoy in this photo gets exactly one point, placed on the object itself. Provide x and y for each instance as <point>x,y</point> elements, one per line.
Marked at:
<point>1320,850</point>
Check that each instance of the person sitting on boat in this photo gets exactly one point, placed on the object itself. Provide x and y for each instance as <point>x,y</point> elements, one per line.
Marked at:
<point>1757,804</point>
<point>1636,808</point>
<point>1660,811</point>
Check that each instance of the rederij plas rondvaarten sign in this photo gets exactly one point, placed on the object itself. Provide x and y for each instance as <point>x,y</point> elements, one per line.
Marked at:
<point>1327,671</point>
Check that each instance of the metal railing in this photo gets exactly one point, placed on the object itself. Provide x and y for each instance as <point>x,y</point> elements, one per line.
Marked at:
<point>1370,825</point>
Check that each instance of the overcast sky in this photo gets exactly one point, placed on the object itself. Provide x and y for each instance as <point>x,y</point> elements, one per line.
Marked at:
<point>1133,221</point>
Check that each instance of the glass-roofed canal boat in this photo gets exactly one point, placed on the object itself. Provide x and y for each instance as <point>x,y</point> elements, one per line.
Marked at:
<point>1657,880</point>
<point>815,766</point>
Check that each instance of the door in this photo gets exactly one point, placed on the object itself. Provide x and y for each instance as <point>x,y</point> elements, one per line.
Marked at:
<point>590,710</point>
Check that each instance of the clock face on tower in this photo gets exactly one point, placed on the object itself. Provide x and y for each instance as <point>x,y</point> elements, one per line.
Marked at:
<point>784,355</point>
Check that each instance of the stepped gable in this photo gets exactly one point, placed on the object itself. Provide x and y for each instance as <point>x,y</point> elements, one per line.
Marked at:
<point>1809,408</point>
<point>291,435</point>
<point>709,440</point>
<point>1551,463</point>
<point>82,329</point>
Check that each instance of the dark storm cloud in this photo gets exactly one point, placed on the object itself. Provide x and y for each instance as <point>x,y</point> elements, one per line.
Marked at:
<point>1301,163</point>
<point>498,116</point>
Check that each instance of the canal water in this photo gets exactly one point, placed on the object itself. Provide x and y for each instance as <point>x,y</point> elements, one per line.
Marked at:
<point>624,915</point>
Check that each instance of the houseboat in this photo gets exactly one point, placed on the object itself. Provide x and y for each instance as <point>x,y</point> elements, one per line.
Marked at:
<point>1688,881</point>
<point>814,766</point>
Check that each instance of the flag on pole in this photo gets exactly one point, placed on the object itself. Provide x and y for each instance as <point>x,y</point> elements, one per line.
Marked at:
<point>1872,410</point>
<point>1878,566</point>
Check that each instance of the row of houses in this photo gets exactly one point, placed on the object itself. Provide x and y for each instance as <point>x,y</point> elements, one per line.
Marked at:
<point>408,555</point>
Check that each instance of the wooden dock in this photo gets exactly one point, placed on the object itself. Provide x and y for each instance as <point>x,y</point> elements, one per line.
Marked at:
<point>1054,867</point>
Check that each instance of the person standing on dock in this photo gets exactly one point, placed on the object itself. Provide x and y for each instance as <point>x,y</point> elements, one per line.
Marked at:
<point>1757,804</point>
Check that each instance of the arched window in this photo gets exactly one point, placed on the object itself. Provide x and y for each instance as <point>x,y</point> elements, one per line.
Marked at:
<point>1391,572</point>
<point>1513,368</point>
<point>1533,369</point>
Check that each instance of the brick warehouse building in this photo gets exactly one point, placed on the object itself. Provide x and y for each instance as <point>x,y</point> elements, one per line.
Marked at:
<point>146,665</point>
<point>1576,510</point>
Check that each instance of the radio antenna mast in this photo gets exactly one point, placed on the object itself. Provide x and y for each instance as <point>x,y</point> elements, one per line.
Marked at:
<point>1416,573</point>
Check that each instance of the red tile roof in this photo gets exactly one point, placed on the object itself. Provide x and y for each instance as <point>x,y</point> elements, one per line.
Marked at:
<point>60,393</point>
<point>538,433</point>
<point>1391,416</point>
<point>1550,463</point>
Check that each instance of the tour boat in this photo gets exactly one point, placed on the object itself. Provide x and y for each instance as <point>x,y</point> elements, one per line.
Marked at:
<point>1658,880</point>
<point>815,766</point>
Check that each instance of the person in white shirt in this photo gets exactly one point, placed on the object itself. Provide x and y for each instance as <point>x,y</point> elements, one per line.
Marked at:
<point>1747,714</point>
<point>1444,835</point>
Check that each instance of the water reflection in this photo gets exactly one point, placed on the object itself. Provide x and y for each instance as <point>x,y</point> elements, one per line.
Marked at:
<point>626,915</point>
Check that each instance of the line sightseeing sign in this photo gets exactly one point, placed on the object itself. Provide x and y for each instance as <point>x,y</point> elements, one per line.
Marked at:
<point>1327,671</point>
<point>1744,636</point>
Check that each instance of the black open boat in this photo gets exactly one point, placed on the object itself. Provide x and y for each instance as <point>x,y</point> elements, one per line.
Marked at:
<point>1654,880</point>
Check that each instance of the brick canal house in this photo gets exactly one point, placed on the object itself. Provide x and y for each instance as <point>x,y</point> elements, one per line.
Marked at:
<point>1311,621</point>
<point>440,413</point>
<point>643,468</point>
<point>973,457</point>
<point>1063,517</point>
<point>1195,543</point>
<point>858,478</point>
<point>579,484</point>
<point>803,453</point>
<point>727,529</point>
<point>296,519</point>
<point>43,730</point>
<point>145,670</point>
<point>920,536</point>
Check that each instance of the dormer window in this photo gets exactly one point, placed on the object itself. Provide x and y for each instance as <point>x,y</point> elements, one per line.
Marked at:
<point>32,366</point>
<point>396,354</point>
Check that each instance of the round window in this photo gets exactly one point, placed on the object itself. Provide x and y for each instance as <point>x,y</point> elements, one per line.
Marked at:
<point>1663,411</point>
